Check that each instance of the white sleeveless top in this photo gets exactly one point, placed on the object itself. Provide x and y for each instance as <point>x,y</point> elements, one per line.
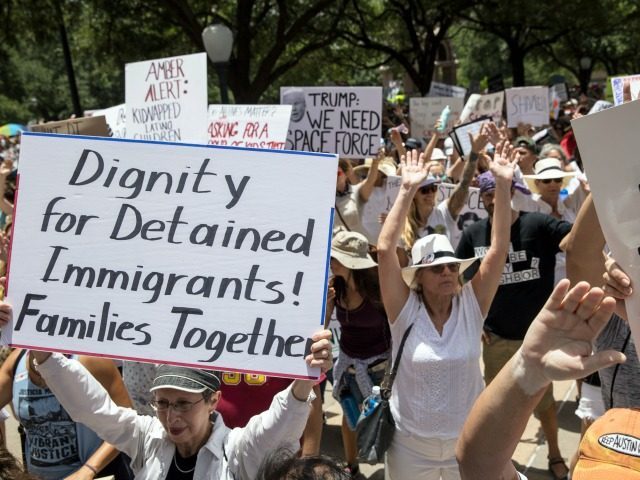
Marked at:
<point>439,377</point>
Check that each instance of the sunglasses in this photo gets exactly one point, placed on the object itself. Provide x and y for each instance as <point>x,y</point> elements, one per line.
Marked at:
<point>547,181</point>
<point>428,189</point>
<point>452,267</point>
<point>181,406</point>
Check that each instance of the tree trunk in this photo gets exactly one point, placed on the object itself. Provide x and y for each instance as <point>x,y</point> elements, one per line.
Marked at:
<point>516,57</point>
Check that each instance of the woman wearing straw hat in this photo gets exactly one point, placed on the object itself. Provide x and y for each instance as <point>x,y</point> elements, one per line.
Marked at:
<point>365,339</point>
<point>439,374</point>
<point>187,440</point>
<point>546,183</point>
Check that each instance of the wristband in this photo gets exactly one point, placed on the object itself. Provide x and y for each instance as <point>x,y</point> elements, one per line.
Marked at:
<point>93,469</point>
<point>473,156</point>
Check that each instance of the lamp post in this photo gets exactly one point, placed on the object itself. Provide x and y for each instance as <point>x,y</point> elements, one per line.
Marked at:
<point>585,73</point>
<point>218,42</point>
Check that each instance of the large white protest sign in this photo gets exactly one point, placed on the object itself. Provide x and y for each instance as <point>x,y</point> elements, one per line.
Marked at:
<point>478,106</point>
<point>167,99</point>
<point>471,212</point>
<point>425,111</point>
<point>614,180</point>
<point>618,82</point>
<point>116,118</point>
<point>251,126</point>
<point>528,105</point>
<point>214,257</point>
<point>342,120</point>
<point>443,90</point>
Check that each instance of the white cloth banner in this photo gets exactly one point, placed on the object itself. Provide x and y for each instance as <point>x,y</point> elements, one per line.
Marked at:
<point>213,257</point>
<point>342,120</point>
<point>116,118</point>
<point>166,99</point>
<point>528,105</point>
<point>612,135</point>
<point>251,126</point>
<point>424,112</point>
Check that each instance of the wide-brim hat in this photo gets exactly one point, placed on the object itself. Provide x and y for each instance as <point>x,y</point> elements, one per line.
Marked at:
<point>192,380</point>
<point>432,250</point>
<point>438,154</point>
<point>386,166</point>
<point>610,447</point>
<point>351,249</point>
<point>548,168</point>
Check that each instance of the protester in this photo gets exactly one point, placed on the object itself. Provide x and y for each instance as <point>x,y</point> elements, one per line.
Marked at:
<point>186,439</point>
<point>527,152</point>
<point>10,468</point>
<point>365,340</point>
<point>439,376</point>
<point>425,215</point>
<point>557,346</point>
<point>283,464</point>
<point>79,450</point>
<point>525,285</point>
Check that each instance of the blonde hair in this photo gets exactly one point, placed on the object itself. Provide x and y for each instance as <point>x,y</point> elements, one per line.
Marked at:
<point>412,226</point>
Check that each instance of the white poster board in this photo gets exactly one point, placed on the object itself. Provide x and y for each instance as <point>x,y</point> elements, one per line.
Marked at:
<point>164,252</point>
<point>528,105</point>
<point>342,120</point>
<point>166,99</point>
<point>618,82</point>
<point>471,212</point>
<point>116,118</point>
<point>425,111</point>
<point>478,106</point>
<point>250,126</point>
<point>438,89</point>
<point>614,186</point>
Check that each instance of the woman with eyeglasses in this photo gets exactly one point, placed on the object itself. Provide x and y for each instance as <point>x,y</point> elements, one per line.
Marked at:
<point>439,374</point>
<point>425,215</point>
<point>187,440</point>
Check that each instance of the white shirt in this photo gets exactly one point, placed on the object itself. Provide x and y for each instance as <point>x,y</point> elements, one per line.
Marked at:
<point>438,377</point>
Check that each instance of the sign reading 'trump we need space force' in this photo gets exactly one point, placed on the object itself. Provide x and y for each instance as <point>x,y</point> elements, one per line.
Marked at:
<point>213,257</point>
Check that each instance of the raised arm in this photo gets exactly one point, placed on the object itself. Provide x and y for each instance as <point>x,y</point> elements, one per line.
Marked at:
<point>556,347</point>
<point>461,192</point>
<point>485,282</point>
<point>368,185</point>
<point>394,291</point>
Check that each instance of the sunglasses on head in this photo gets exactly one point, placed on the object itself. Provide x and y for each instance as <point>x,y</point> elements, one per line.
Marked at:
<point>547,181</point>
<point>453,267</point>
<point>428,189</point>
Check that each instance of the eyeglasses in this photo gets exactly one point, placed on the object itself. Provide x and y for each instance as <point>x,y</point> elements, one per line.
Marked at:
<point>181,406</point>
<point>452,267</point>
<point>547,181</point>
<point>428,189</point>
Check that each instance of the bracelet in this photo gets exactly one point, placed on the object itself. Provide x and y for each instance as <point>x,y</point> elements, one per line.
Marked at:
<point>473,156</point>
<point>92,468</point>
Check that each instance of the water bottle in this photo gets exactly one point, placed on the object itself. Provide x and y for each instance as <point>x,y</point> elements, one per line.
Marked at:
<point>372,401</point>
<point>564,193</point>
<point>350,409</point>
<point>444,118</point>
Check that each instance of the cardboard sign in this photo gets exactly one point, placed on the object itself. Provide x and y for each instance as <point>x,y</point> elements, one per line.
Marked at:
<point>471,212</point>
<point>116,118</point>
<point>424,112</point>
<point>443,90</point>
<point>560,91</point>
<point>167,99</point>
<point>528,105</point>
<point>342,120</point>
<point>617,84</point>
<point>95,126</point>
<point>251,126</point>
<point>479,106</point>
<point>614,186</point>
<point>212,257</point>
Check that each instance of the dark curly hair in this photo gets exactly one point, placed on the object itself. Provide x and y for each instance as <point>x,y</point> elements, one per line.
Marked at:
<point>282,464</point>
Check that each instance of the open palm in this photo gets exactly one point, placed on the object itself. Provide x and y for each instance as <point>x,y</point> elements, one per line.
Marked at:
<point>414,168</point>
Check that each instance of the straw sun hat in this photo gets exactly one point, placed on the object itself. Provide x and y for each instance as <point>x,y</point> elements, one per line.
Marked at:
<point>545,169</point>
<point>432,250</point>
<point>351,249</point>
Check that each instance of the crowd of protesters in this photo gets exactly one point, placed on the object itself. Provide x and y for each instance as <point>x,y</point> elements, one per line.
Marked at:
<point>466,288</point>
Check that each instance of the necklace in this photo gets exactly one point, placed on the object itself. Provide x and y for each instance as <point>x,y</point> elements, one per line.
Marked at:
<point>175,462</point>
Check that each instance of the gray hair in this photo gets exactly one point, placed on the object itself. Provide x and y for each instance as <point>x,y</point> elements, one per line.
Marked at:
<point>553,147</point>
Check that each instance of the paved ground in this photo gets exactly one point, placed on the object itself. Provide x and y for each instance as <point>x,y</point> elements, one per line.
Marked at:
<point>530,456</point>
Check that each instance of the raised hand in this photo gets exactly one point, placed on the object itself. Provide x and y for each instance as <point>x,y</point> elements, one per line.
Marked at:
<point>320,355</point>
<point>414,168</point>
<point>558,345</point>
<point>479,141</point>
<point>504,161</point>
<point>494,133</point>
<point>616,282</point>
